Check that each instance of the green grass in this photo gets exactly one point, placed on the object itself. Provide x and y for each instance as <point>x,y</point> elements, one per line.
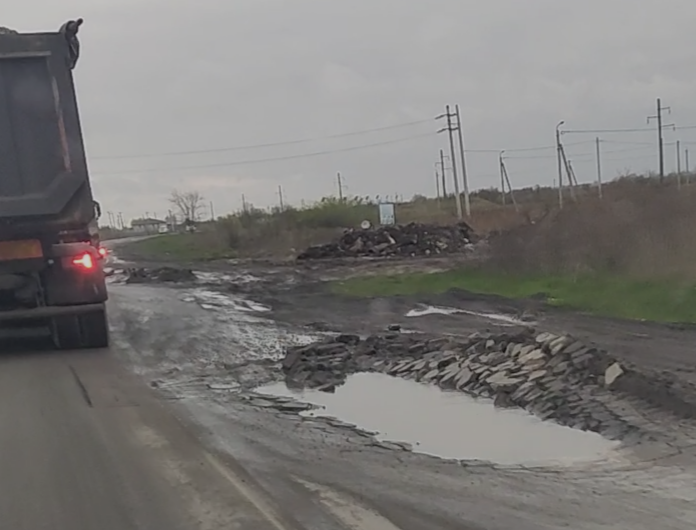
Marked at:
<point>178,247</point>
<point>655,300</point>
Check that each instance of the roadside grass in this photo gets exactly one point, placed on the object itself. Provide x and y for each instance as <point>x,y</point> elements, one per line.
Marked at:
<point>603,295</point>
<point>179,247</point>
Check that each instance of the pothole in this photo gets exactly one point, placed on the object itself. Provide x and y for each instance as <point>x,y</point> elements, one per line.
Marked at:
<point>449,424</point>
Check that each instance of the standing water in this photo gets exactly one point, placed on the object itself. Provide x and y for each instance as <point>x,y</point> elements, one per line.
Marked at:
<point>449,424</point>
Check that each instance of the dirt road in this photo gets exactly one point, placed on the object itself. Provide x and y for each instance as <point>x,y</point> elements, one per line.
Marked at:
<point>205,347</point>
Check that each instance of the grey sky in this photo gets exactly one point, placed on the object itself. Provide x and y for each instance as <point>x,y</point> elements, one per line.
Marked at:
<point>162,76</point>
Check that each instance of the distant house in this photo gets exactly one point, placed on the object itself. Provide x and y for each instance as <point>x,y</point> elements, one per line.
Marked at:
<point>149,226</point>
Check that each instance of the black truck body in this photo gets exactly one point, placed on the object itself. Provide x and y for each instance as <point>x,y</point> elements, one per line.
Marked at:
<point>51,270</point>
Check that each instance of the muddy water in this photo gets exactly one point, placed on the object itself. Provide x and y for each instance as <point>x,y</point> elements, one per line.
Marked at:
<point>498,318</point>
<point>449,424</point>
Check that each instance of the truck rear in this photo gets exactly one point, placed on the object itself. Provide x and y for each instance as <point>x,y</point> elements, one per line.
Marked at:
<point>51,272</point>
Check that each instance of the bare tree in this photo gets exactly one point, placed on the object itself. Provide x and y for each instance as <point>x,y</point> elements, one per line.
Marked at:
<point>189,204</point>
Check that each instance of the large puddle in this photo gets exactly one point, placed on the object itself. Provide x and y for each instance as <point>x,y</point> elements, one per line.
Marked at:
<point>449,424</point>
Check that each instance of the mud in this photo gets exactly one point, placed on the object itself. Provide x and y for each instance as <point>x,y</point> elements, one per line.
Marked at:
<point>208,354</point>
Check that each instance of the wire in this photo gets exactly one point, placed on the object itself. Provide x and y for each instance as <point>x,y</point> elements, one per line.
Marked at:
<point>597,131</point>
<point>272,159</point>
<point>259,146</point>
<point>523,149</point>
<point>624,142</point>
<point>643,129</point>
<point>572,156</point>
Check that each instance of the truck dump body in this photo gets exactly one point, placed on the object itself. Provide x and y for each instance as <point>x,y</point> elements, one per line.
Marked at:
<point>44,184</point>
<point>51,274</point>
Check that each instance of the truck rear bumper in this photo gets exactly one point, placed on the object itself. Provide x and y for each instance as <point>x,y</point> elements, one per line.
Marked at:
<point>49,312</point>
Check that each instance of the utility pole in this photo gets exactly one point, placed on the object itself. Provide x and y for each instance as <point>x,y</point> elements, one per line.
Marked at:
<point>280,198</point>
<point>559,150</point>
<point>340,186</point>
<point>686,166</point>
<point>437,183</point>
<point>679,176</point>
<point>443,170</point>
<point>572,181</point>
<point>501,166</point>
<point>599,167</point>
<point>244,204</point>
<point>505,179</point>
<point>450,129</point>
<point>467,201</point>
<point>660,142</point>
<point>212,211</point>
<point>502,178</point>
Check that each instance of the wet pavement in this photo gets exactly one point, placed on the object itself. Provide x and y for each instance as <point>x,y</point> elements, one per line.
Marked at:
<point>449,424</point>
<point>205,353</point>
<point>496,318</point>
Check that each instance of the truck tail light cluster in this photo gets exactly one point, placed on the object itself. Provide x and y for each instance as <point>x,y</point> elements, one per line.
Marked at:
<point>85,261</point>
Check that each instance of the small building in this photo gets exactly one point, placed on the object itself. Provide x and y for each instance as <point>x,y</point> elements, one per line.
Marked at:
<point>149,226</point>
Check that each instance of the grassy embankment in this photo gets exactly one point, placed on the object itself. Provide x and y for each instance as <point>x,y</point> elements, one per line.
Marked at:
<point>631,255</point>
<point>187,248</point>
<point>275,233</point>
<point>283,234</point>
<point>604,295</point>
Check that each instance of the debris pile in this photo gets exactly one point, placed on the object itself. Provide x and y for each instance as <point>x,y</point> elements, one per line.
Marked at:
<point>160,275</point>
<point>552,376</point>
<point>413,239</point>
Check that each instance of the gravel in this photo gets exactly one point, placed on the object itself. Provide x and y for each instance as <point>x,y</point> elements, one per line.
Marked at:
<point>554,377</point>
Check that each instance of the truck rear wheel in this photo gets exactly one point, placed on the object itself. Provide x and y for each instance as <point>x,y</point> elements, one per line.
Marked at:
<point>95,329</point>
<point>72,332</point>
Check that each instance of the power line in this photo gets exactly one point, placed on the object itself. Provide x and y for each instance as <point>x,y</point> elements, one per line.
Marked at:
<point>523,149</point>
<point>259,146</point>
<point>637,129</point>
<point>577,155</point>
<point>599,131</point>
<point>271,159</point>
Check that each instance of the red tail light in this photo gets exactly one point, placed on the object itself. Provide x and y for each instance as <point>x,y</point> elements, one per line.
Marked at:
<point>85,261</point>
<point>102,252</point>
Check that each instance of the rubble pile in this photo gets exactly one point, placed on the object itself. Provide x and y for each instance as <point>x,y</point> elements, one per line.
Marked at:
<point>413,239</point>
<point>552,376</point>
<point>160,275</point>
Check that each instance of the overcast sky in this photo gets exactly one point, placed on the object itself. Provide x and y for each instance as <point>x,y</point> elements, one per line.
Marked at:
<point>175,76</point>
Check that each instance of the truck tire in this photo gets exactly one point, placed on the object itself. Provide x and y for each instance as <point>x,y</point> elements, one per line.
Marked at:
<point>66,332</point>
<point>73,332</point>
<point>95,329</point>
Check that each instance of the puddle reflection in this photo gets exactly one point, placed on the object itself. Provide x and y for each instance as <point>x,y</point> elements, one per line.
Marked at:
<point>449,424</point>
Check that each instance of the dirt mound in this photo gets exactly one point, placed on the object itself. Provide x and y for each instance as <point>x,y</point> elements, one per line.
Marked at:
<point>552,376</point>
<point>160,275</point>
<point>413,239</point>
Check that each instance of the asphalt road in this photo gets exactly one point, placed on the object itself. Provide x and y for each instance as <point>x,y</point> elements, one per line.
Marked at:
<point>86,446</point>
<point>88,443</point>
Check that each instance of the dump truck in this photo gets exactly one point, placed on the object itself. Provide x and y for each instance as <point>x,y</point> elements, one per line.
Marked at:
<point>51,269</point>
